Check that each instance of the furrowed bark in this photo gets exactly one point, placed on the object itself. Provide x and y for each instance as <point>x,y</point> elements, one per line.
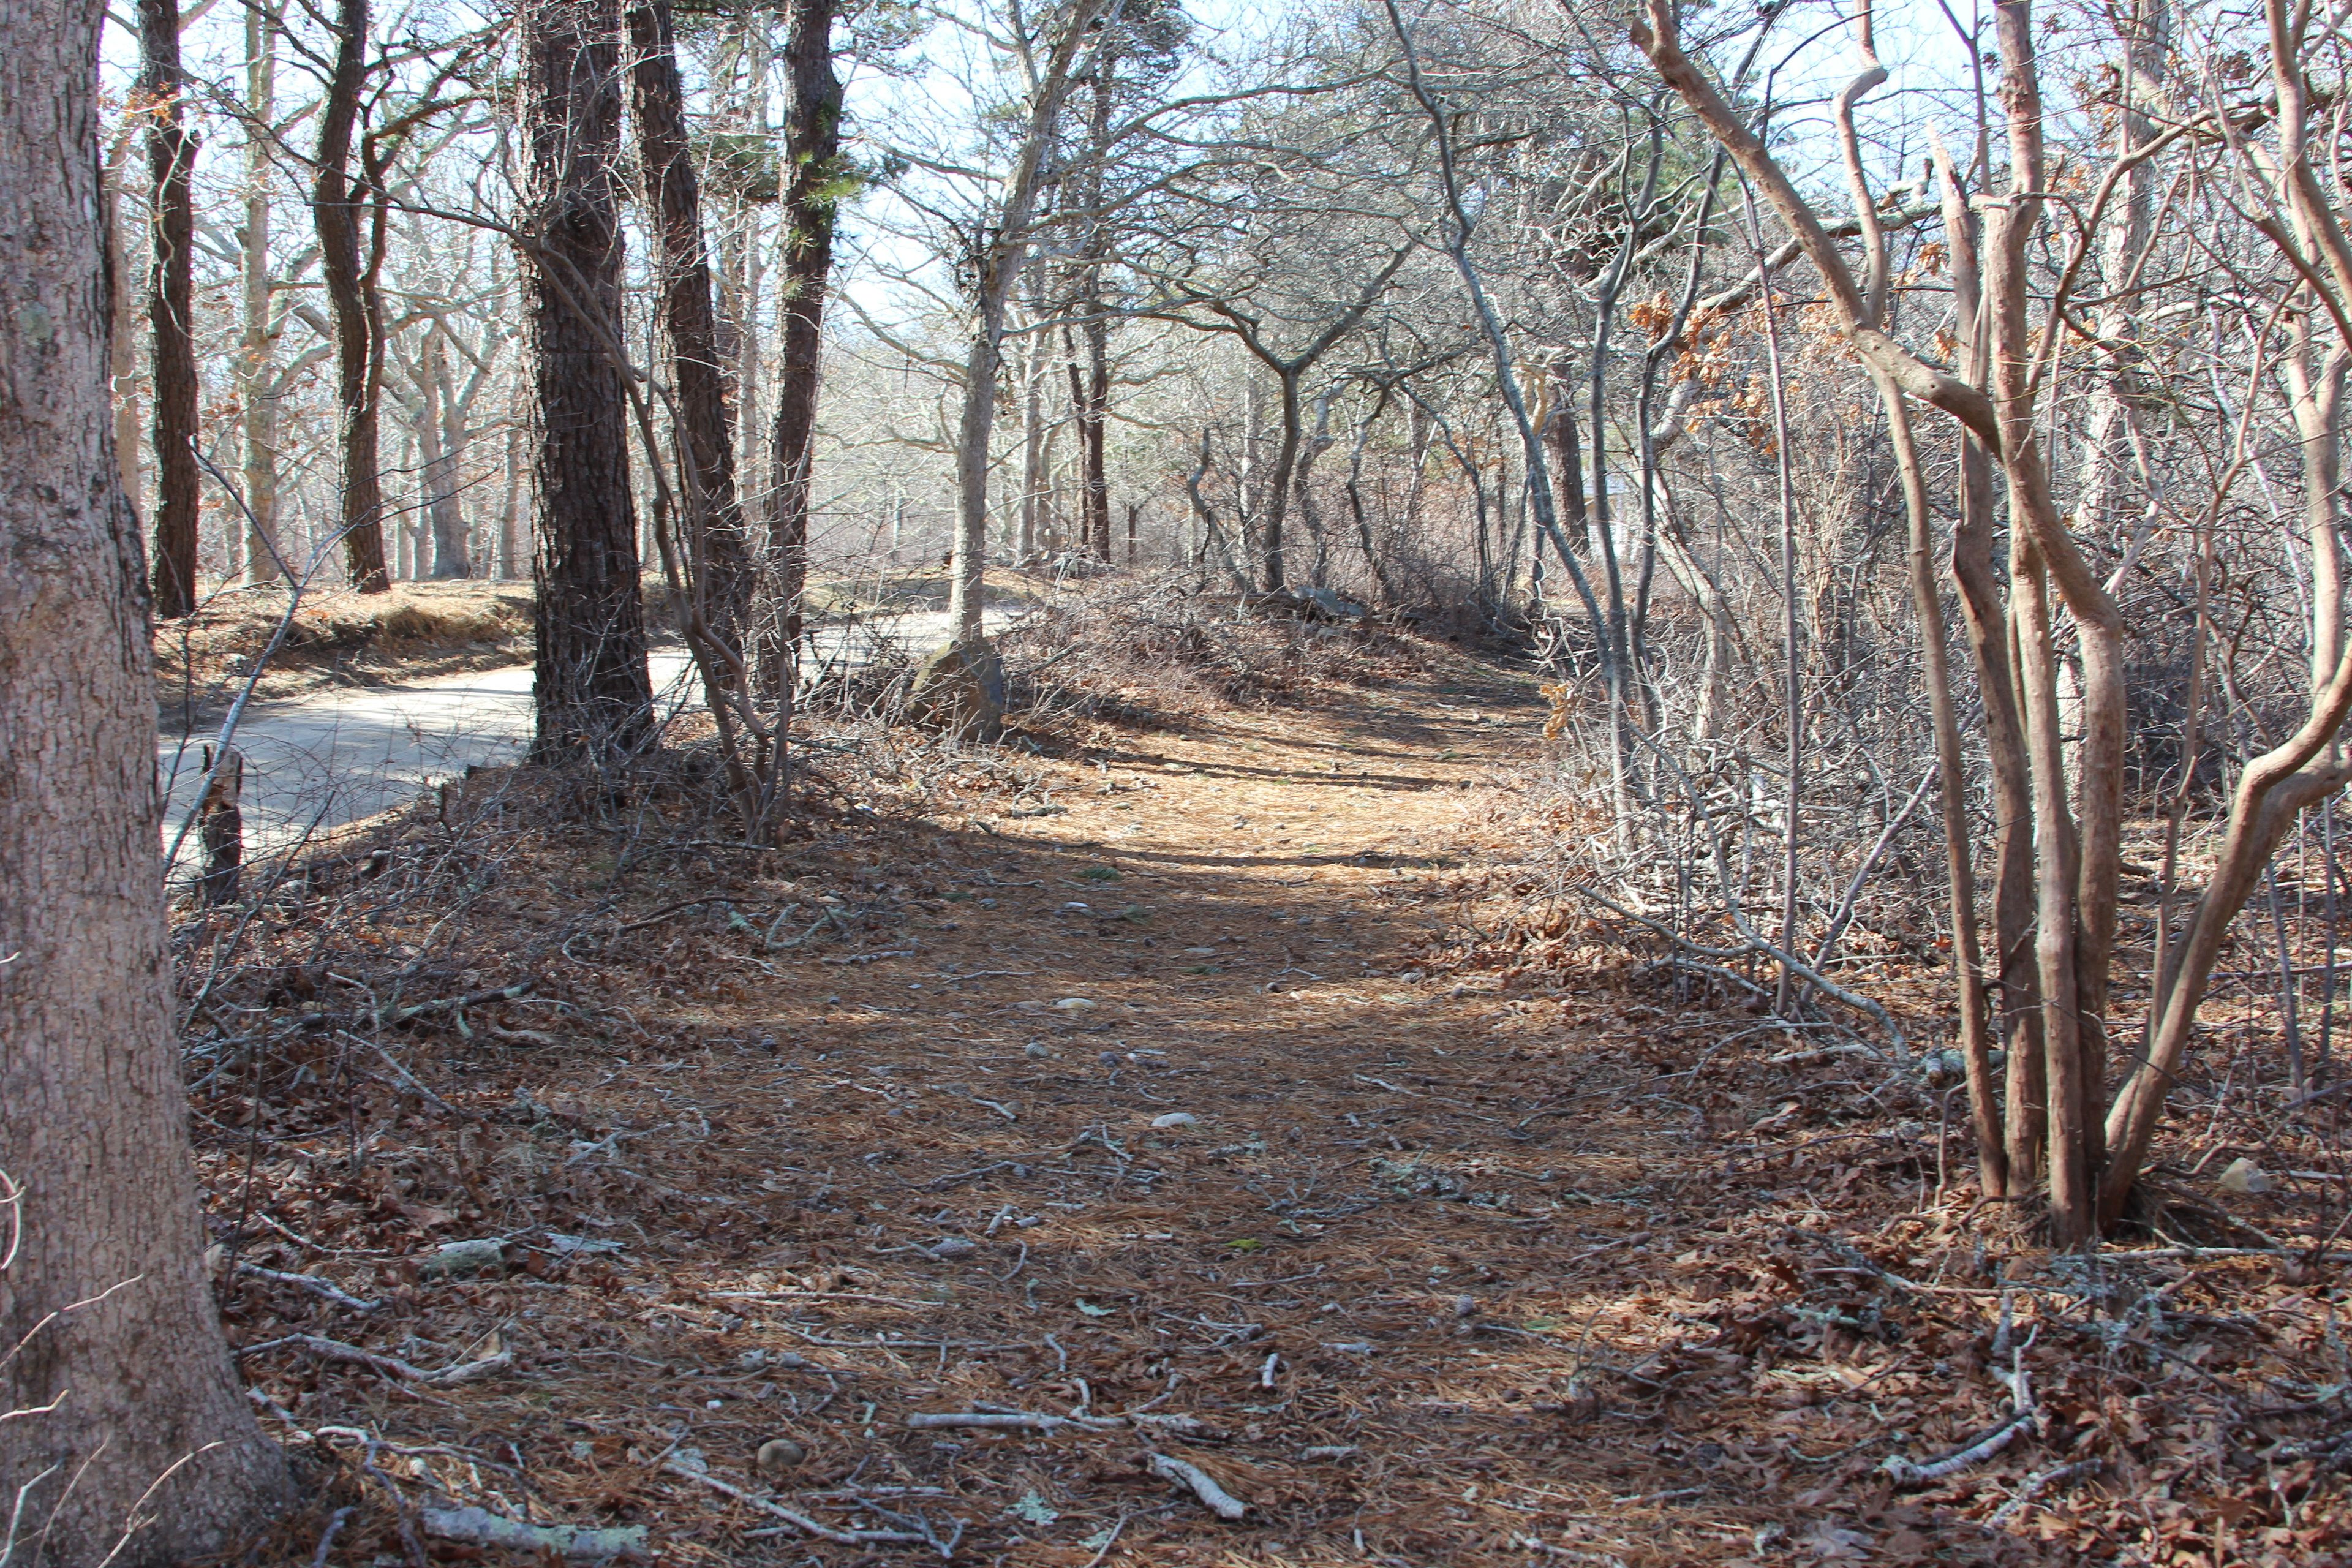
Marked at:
<point>128,1440</point>
<point>591,690</point>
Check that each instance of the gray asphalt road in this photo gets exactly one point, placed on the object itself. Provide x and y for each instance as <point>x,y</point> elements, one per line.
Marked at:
<point>315,762</point>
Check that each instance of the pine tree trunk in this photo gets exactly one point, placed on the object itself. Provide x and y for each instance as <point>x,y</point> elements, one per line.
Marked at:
<point>172,156</point>
<point>592,690</point>
<point>812,170</point>
<point>103,1292</point>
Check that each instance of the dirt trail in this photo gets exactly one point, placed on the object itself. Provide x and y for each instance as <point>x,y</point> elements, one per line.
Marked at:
<point>1152,1108</point>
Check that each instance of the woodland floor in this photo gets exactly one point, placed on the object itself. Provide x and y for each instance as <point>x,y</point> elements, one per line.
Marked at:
<point>1144,1073</point>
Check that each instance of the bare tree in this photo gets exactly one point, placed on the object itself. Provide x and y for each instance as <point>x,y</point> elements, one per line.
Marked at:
<point>998,250</point>
<point>350,268</point>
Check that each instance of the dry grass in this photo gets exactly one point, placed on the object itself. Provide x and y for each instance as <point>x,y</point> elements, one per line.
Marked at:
<point>416,630</point>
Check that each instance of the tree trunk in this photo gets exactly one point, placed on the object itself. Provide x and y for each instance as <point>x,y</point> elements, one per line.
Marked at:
<point>2016,982</point>
<point>811,199</point>
<point>591,689</point>
<point>704,437</point>
<point>996,267</point>
<point>122,356</point>
<point>513,552</point>
<point>440,436</point>
<point>1032,449</point>
<point>150,1455</point>
<point>171,157</point>
<point>258,345</point>
<point>358,311</point>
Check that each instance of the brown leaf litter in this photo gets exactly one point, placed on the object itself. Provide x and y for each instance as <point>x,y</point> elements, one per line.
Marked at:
<point>1052,1142</point>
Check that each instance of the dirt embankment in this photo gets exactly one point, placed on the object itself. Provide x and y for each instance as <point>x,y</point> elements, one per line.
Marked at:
<point>414,631</point>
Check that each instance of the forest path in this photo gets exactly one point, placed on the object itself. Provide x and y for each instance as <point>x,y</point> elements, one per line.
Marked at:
<point>1124,1091</point>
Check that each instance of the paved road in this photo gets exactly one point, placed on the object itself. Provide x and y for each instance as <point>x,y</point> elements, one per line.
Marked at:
<point>314,763</point>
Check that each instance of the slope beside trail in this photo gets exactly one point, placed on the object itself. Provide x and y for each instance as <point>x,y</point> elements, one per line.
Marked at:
<point>1125,1099</point>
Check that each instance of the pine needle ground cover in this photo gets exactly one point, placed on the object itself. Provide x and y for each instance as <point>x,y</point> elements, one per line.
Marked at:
<point>1050,1141</point>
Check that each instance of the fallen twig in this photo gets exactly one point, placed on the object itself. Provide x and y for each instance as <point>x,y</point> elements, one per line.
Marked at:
<point>2035,1485</point>
<point>1216,1498</point>
<point>390,1366</point>
<point>800,1521</point>
<point>311,1283</point>
<point>480,1527</point>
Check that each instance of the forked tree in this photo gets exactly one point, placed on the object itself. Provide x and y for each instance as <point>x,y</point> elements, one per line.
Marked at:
<point>126,1439</point>
<point>2052,1130</point>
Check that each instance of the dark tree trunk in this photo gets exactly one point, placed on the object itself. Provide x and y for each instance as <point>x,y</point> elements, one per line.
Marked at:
<point>172,156</point>
<point>593,697</point>
<point>104,1299</point>
<point>358,311</point>
<point>1093,399</point>
<point>1089,401</point>
<point>705,435</point>
<point>812,202</point>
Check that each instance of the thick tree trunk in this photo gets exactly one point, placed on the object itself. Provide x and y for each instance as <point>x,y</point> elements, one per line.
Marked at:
<point>171,157</point>
<point>358,311</point>
<point>591,689</point>
<point>103,1293</point>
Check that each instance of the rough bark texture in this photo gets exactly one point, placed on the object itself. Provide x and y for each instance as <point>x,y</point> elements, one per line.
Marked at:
<point>594,696</point>
<point>93,1130</point>
<point>359,325</point>
<point>812,198</point>
<point>172,156</point>
<point>706,437</point>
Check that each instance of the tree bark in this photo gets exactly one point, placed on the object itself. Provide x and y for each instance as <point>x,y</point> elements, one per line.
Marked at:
<point>257,365</point>
<point>441,438</point>
<point>123,357</point>
<point>996,267</point>
<point>358,310</point>
<point>103,1293</point>
<point>171,157</point>
<point>590,690</point>
<point>811,199</point>
<point>705,437</point>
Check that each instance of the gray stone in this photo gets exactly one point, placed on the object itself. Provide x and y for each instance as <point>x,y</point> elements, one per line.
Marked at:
<point>457,1259</point>
<point>960,689</point>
